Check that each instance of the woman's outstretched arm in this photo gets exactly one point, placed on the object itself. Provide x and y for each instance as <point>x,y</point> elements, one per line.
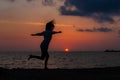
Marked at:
<point>37,34</point>
<point>55,32</point>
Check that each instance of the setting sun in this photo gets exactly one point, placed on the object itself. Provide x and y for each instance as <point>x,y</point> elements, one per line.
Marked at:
<point>66,50</point>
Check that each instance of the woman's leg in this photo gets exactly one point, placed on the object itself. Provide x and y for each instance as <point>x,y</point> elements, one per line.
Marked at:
<point>43,50</point>
<point>36,57</point>
<point>46,61</point>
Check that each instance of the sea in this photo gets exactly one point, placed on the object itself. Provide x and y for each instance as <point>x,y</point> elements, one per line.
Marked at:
<point>60,60</point>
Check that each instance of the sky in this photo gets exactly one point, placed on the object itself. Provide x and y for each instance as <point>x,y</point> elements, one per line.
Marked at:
<point>86,25</point>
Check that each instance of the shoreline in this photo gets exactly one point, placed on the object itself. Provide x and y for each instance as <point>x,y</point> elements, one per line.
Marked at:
<point>108,73</point>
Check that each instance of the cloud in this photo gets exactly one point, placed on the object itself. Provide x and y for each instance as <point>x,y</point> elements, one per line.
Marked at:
<point>44,2</point>
<point>99,10</point>
<point>48,2</point>
<point>101,29</point>
<point>29,0</point>
<point>16,0</point>
<point>11,0</point>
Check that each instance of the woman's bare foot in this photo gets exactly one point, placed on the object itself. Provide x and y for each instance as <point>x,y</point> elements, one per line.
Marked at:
<point>30,56</point>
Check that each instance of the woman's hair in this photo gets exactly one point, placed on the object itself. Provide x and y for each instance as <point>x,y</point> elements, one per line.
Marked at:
<point>50,25</point>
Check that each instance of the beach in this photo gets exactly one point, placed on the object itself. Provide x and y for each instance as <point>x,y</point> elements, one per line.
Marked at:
<point>108,73</point>
<point>62,66</point>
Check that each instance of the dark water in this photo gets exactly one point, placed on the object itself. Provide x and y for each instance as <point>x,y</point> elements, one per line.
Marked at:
<point>61,60</point>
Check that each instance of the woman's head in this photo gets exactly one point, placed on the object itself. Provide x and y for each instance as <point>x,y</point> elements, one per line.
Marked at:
<point>50,25</point>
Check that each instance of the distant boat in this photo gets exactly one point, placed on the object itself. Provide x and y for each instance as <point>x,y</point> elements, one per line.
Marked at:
<point>111,50</point>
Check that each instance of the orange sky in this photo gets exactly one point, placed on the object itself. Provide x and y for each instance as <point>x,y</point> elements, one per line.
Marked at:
<point>19,19</point>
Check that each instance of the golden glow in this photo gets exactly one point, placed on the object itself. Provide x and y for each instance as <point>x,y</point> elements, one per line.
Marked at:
<point>40,23</point>
<point>34,23</point>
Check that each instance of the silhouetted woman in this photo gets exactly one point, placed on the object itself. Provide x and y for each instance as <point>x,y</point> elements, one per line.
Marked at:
<point>45,43</point>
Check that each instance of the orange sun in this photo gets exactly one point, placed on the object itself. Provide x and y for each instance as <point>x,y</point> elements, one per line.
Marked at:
<point>66,50</point>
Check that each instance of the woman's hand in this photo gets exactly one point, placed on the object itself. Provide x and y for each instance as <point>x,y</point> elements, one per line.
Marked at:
<point>59,31</point>
<point>32,34</point>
